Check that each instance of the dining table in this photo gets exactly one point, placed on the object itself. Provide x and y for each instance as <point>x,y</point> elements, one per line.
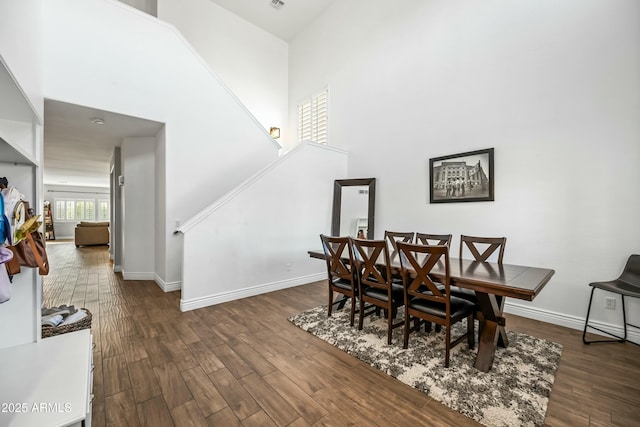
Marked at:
<point>492,282</point>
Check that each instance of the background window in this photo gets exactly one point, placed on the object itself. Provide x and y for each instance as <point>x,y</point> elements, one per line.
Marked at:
<point>103,210</point>
<point>312,118</point>
<point>80,210</point>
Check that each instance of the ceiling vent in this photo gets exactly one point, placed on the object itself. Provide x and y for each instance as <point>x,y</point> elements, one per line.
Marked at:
<point>277,3</point>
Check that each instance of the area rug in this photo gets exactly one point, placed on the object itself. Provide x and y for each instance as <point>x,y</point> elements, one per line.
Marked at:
<point>515,392</point>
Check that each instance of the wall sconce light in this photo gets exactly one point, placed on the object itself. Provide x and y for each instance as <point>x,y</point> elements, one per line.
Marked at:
<point>275,133</point>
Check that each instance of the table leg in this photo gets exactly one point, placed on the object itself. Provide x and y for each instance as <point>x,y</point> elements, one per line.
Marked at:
<point>492,330</point>
<point>503,341</point>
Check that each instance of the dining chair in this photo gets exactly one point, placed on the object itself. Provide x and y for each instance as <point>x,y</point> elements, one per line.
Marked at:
<point>628,284</point>
<point>393,237</point>
<point>481,248</point>
<point>433,239</point>
<point>375,286</point>
<point>340,271</point>
<point>425,301</point>
<point>488,245</point>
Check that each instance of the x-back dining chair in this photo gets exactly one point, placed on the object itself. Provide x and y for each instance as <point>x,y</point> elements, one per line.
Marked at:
<point>425,300</point>
<point>375,286</point>
<point>393,237</point>
<point>433,239</point>
<point>488,245</point>
<point>340,271</point>
<point>628,284</point>
<point>481,248</point>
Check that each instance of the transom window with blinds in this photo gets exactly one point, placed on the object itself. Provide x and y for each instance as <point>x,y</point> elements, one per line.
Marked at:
<point>312,118</point>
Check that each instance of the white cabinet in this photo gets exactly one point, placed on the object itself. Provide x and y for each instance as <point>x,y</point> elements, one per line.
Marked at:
<point>47,383</point>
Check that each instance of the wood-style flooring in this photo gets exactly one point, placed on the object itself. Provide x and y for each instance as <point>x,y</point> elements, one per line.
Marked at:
<point>243,364</point>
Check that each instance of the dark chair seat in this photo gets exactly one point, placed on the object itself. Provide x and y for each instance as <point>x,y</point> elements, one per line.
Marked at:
<point>381,294</point>
<point>342,284</point>
<point>627,285</point>
<point>464,293</point>
<point>619,287</point>
<point>459,308</point>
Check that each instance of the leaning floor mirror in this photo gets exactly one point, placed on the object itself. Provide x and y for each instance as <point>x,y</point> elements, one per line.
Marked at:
<point>354,207</point>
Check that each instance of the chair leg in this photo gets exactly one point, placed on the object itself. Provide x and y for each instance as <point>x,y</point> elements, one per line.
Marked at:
<point>586,325</point>
<point>624,318</point>
<point>353,309</point>
<point>330,301</point>
<point>389,326</point>
<point>471,334</point>
<point>361,313</point>
<point>405,342</point>
<point>447,346</point>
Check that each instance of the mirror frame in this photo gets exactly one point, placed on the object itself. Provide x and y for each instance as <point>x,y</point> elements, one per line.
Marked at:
<point>337,203</point>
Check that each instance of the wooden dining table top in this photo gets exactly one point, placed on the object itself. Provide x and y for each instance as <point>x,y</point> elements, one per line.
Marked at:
<point>508,280</point>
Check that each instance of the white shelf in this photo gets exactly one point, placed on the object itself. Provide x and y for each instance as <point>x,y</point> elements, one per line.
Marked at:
<point>49,379</point>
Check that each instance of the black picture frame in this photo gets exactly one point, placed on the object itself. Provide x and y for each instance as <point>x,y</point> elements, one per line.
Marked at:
<point>463,177</point>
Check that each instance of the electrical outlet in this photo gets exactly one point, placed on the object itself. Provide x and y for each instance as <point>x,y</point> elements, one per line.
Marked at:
<point>610,303</point>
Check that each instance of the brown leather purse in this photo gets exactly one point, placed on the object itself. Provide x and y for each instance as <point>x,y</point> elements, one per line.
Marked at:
<point>30,251</point>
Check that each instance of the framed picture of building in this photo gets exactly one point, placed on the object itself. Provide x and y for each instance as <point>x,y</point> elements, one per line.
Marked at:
<point>464,177</point>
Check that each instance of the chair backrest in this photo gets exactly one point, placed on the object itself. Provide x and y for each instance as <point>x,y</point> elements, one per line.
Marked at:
<point>393,237</point>
<point>488,245</point>
<point>339,257</point>
<point>416,265</point>
<point>372,263</point>
<point>433,239</point>
<point>631,273</point>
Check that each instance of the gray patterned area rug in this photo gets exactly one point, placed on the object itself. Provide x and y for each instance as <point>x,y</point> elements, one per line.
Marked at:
<point>515,392</point>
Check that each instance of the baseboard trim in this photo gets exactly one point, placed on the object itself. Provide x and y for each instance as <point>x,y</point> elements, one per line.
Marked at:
<point>195,303</point>
<point>117,268</point>
<point>167,287</point>
<point>571,322</point>
<point>138,276</point>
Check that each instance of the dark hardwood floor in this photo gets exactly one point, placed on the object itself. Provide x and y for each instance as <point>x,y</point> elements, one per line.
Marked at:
<point>242,363</point>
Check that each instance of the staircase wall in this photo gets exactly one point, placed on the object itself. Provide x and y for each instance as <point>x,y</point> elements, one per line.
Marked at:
<point>255,239</point>
<point>107,55</point>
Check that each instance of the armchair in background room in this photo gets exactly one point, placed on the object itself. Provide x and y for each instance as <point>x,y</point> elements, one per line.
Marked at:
<point>92,233</point>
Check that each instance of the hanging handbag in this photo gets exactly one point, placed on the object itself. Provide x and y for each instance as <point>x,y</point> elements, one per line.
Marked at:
<point>5,286</point>
<point>30,251</point>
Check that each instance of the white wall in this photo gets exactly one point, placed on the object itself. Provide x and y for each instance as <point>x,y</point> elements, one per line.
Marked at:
<point>147,6</point>
<point>138,195</point>
<point>21,47</point>
<point>553,86</point>
<point>252,62</point>
<point>146,69</point>
<point>66,230</point>
<point>255,239</point>
<point>161,216</point>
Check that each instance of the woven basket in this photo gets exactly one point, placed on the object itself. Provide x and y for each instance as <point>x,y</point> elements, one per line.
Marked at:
<point>85,323</point>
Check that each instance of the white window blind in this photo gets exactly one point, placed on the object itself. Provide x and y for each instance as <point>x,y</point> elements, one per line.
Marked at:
<point>312,118</point>
<point>80,210</point>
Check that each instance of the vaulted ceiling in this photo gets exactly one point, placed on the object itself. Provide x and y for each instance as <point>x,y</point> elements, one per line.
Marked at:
<point>78,152</point>
<point>285,21</point>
